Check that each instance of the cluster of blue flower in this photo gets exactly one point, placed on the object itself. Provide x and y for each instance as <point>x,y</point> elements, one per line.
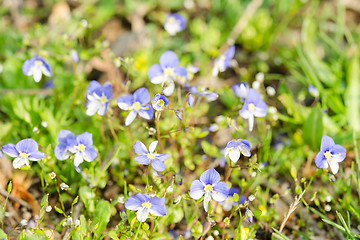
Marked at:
<point>167,73</point>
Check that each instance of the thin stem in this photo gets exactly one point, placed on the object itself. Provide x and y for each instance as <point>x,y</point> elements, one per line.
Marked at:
<point>356,152</point>
<point>61,202</point>
<point>179,95</point>
<point>137,231</point>
<point>112,130</point>
<point>147,176</point>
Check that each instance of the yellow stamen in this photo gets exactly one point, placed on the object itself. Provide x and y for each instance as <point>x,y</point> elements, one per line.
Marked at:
<point>171,20</point>
<point>103,99</point>
<point>81,147</point>
<point>151,156</point>
<point>251,107</point>
<point>23,155</point>
<point>168,71</point>
<point>328,156</point>
<point>208,188</point>
<point>146,204</point>
<point>137,106</point>
<point>38,63</point>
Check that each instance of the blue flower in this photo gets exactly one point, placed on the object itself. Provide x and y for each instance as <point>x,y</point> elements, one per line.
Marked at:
<point>150,157</point>
<point>145,205</point>
<point>174,23</point>
<point>313,91</point>
<point>190,100</point>
<point>203,92</point>
<point>224,61</point>
<point>160,102</point>
<point>23,151</point>
<point>229,202</point>
<point>210,186</point>
<point>167,72</point>
<point>253,106</point>
<point>137,103</point>
<point>249,215</point>
<point>98,98</point>
<point>235,148</point>
<point>79,145</point>
<point>36,66</point>
<point>330,154</point>
<point>241,90</point>
<point>74,55</point>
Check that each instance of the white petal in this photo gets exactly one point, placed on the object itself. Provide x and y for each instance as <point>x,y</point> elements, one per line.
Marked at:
<point>37,74</point>
<point>245,151</point>
<point>157,79</point>
<point>78,159</point>
<point>169,89</point>
<point>334,166</point>
<point>207,199</point>
<point>251,122</point>
<point>130,118</point>
<point>227,150</point>
<point>19,162</point>
<point>234,154</point>
<point>153,146</point>
<point>102,109</point>
<point>92,108</point>
<point>45,71</point>
<point>142,214</point>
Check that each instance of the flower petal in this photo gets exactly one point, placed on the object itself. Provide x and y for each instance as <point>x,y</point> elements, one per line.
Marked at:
<point>130,118</point>
<point>64,135</point>
<point>89,154</point>
<point>125,102</point>
<point>140,148</point>
<point>234,154</point>
<point>260,109</point>
<point>133,203</point>
<point>142,95</point>
<point>142,159</point>
<point>158,207</point>
<point>169,60</point>
<point>320,160</point>
<point>196,190</point>
<point>147,113</point>
<point>220,192</point>
<point>36,156</point>
<point>78,159</point>
<point>338,153</point>
<point>207,199</point>
<point>210,176</point>
<point>153,146</point>
<point>107,90</point>
<point>19,162</point>
<point>93,85</point>
<point>142,214</point>
<point>92,107</point>
<point>10,150</point>
<point>169,89</point>
<point>85,138</point>
<point>155,74</point>
<point>27,146</point>
<point>162,157</point>
<point>334,166</point>
<point>326,143</point>
<point>158,165</point>
<point>27,66</point>
<point>60,152</point>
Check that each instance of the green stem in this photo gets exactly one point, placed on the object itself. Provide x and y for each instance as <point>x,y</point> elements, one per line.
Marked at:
<point>356,152</point>
<point>137,232</point>
<point>61,202</point>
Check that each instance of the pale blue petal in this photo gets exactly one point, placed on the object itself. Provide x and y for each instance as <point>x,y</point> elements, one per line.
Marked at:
<point>27,146</point>
<point>140,148</point>
<point>197,190</point>
<point>326,143</point>
<point>10,150</point>
<point>210,176</point>
<point>169,60</point>
<point>142,95</point>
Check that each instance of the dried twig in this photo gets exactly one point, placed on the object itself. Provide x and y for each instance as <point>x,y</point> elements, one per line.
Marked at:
<point>292,209</point>
<point>11,197</point>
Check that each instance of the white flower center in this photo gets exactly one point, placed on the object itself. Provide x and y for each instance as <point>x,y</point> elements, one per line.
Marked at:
<point>137,106</point>
<point>161,103</point>
<point>251,107</point>
<point>81,147</point>
<point>327,155</point>
<point>103,99</point>
<point>151,156</point>
<point>38,63</point>
<point>208,188</point>
<point>146,204</point>
<point>23,155</point>
<point>169,71</point>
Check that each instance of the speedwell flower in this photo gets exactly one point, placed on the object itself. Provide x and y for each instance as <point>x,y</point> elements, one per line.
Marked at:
<point>235,148</point>
<point>167,72</point>
<point>79,145</point>
<point>36,66</point>
<point>229,202</point>
<point>160,102</point>
<point>210,185</point>
<point>150,157</point>
<point>241,90</point>
<point>253,106</point>
<point>98,98</point>
<point>137,103</point>
<point>144,205</point>
<point>23,151</point>
<point>224,61</point>
<point>203,92</point>
<point>330,154</point>
<point>174,23</point>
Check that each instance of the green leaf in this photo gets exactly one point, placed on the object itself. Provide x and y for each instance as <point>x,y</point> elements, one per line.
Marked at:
<point>210,149</point>
<point>3,235</point>
<point>352,95</point>
<point>313,128</point>
<point>197,229</point>
<point>87,196</point>
<point>280,235</point>
<point>102,216</point>
<point>35,235</point>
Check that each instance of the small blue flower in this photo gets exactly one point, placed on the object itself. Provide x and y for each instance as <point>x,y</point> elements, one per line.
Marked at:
<point>224,61</point>
<point>241,90</point>
<point>210,186</point>
<point>98,98</point>
<point>35,67</point>
<point>144,205</point>
<point>137,103</point>
<point>235,148</point>
<point>229,202</point>
<point>213,127</point>
<point>150,157</point>
<point>79,145</point>
<point>174,23</point>
<point>167,72</point>
<point>330,154</point>
<point>74,55</point>
<point>203,92</point>
<point>23,151</point>
<point>313,91</point>
<point>190,100</point>
<point>160,102</point>
<point>253,106</point>
<point>249,215</point>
